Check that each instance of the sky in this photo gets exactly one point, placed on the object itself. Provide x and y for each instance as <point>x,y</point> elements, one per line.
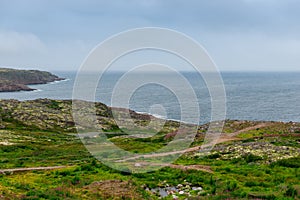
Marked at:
<point>239,35</point>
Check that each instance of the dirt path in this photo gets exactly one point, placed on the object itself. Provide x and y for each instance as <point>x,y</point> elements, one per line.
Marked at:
<point>203,168</point>
<point>224,138</point>
<point>186,167</point>
<point>30,169</point>
<point>262,125</point>
<point>194,167</point>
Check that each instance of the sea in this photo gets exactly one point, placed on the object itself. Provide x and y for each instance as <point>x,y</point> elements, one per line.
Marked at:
<point>266,96</point>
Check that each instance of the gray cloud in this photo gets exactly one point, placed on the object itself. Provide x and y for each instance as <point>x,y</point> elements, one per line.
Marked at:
<point>239,34</point>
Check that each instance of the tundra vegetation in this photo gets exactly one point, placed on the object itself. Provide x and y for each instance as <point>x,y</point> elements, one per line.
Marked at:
<point>252,160</point>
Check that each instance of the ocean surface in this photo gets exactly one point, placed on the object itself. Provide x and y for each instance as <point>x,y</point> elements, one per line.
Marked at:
<point>270,96</point>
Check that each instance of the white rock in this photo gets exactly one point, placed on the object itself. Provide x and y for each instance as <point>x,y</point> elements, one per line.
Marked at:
<point>197,188</point>
<point>137,165</point>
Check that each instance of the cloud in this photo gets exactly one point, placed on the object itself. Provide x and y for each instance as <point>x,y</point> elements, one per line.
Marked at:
<point>238,33</point>
<point>14,43</point>
<point>253,51</point>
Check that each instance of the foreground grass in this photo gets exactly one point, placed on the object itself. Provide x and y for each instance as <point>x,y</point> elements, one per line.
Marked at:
<point>86,178</point>
<point>262,164</point>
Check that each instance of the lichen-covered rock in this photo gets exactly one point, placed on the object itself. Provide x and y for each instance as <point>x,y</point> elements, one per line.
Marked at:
<point>57,115</point>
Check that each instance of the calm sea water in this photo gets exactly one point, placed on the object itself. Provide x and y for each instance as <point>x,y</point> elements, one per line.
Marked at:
<point>271,96</point>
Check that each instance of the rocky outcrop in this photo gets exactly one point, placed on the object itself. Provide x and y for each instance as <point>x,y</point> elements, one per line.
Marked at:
<point>8,86</point>
<point>56,115</point>
<point>12,80</point>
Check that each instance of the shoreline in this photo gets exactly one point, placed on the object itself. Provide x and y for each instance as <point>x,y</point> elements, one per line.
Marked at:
<point>30,89</point>
<point>14,80</point>
<point>148,114</point>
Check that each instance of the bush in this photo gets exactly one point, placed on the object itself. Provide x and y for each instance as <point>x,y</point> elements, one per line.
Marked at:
<point>213,190</point>
<point>64,173</point>
<point>251,183</point>
<point>291,191</point>
<point>19,163</point>
<point>230,186</point>
<point>251,158</point>
<point>212,181</point>
<point>214,156</point>
<point>53,105</point>
<point>87,167</point>
<point>290,162</point>
<point>75,180</point>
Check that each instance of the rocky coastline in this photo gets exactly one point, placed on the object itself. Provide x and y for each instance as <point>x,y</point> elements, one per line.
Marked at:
<point>14,80</point>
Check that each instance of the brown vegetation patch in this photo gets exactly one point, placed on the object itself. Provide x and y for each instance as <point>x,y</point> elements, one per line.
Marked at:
<point>114,189</point>
<point>192,167</point>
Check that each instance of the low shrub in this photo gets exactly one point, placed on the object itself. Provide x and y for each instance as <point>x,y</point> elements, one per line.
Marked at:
<point>290,162</point>
<point>291,191</point>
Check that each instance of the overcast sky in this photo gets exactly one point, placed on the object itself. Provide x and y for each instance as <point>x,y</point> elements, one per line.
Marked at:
<point>239,35</point>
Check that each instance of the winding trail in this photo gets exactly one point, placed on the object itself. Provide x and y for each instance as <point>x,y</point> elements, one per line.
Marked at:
<point>30,169</point>
<point>225,137</point>
<point>203,168</point>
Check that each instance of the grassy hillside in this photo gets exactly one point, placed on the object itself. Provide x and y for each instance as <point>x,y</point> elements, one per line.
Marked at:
<point>252,160</point>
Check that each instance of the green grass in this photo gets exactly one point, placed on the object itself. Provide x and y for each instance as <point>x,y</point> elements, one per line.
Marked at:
<point>248,176</point>
<point>242,178</point>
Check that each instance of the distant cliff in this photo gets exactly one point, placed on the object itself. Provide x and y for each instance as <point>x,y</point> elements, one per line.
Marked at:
<point>12,80</point>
